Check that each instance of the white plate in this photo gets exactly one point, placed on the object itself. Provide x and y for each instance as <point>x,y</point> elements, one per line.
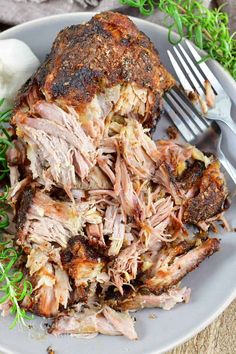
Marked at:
<point>213,284</point>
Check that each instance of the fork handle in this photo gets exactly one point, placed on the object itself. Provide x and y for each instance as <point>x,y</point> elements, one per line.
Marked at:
<point>231,125</point>
<point>228,166</point>
<point>227,121</point>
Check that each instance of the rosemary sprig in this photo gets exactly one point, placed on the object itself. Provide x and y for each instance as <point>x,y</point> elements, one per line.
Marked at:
<point>5,141</point>
<point>146,7</point>
<point>13,287</point>
<point>207,28</point>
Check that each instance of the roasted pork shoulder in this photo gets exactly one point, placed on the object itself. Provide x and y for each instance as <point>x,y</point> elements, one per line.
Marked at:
<point>101,208</point>
<point>104,67</point>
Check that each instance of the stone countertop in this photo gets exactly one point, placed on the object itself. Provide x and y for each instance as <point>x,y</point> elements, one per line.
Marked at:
<point>15,12</point>
<point>18,11</point>
<point>220,336</point>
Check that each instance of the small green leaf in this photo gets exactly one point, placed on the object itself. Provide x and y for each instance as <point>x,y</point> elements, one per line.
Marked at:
<point>198,36</point>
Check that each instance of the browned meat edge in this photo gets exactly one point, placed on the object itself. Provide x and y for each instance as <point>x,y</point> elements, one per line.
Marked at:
<point>85,59</point>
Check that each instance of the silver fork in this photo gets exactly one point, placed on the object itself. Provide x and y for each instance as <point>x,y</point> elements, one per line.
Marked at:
<point>193,75</point>
<point>195,130</point>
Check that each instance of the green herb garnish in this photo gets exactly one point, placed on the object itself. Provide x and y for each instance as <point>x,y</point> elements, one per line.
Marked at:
<point>13,287</point>
<point>208,29</point>
<point>5,141</point>
<point>146,7</point>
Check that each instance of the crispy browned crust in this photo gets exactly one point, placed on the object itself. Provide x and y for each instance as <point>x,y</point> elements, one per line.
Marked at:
<point>173,251</point>
<point>192,175</point>
<point>79,259</point>
<point>123,303</point>
<point>205,205</point>
<point>23,204</point>
<point>106,51</point>
<point>78,247</point>
<point>210,199</point>
<point>131,302</point>
<point>171,275</point>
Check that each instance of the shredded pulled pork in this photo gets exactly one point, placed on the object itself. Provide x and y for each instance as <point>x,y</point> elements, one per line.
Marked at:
<point>166,301</point>
<point>101,209</point>
<point>131,235</point>
<point>91,322</point>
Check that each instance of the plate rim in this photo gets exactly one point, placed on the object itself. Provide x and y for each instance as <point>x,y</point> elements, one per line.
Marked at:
<point>194,331</point>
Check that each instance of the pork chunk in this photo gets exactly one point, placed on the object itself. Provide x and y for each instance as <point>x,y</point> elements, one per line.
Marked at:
<point>210,198</point>
<point>81,262</point>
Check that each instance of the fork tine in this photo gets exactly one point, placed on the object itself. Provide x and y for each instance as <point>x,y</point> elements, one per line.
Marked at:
<point>188,112</point>
<point>189,73</point>
<point>205,69</point>
<point>185,117</point>
<point>185,112</point>
<point>193,66</point>
<point>185,99</point>
<point>198,117</point>
<point>184,82</point>
<point>182,128</point>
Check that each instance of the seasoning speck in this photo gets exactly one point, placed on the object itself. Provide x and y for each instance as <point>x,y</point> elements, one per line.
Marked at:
<point>50,350</point>
<point>172,132</point>
<point>152,316</point>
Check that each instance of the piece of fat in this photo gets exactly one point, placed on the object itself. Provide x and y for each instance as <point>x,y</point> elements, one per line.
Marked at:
<point>17,64</point>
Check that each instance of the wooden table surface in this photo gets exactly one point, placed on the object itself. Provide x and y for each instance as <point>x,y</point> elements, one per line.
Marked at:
<point>217,338</point>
